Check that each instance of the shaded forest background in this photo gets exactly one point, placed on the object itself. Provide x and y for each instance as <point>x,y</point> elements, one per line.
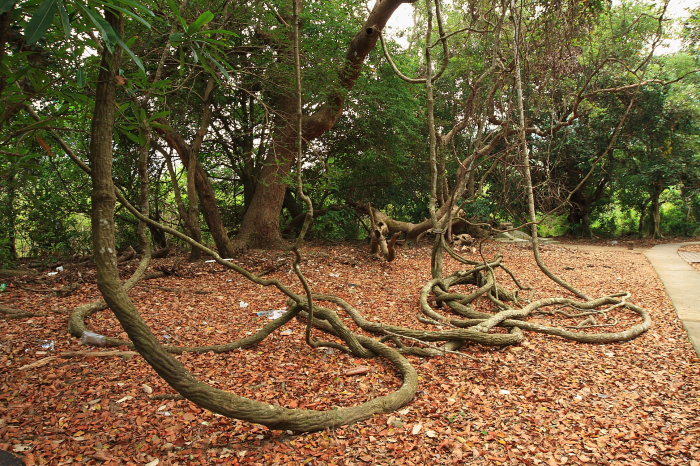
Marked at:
<point>206,104</point>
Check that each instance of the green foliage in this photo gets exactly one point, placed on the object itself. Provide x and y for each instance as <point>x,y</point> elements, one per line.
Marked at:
<point>553,225</point>
<point>378,151</point>
<point>337,226</point>
<point>612,220</point>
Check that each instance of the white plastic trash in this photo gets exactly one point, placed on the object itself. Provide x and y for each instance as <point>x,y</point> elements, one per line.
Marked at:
<point>93,339</point>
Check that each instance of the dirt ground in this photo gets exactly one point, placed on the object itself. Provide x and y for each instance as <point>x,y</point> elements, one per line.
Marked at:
<point>546,401</point>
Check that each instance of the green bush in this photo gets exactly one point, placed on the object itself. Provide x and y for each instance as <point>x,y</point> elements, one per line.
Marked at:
<point>553,226</point>
<point>675,222</point>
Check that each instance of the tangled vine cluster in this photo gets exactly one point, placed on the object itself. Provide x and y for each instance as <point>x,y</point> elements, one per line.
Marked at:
<point>465,325</point>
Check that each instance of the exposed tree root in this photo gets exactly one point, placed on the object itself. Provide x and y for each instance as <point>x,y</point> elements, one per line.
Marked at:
<point>469,326</point>
<point>12,313</point>
<point>63,292</point>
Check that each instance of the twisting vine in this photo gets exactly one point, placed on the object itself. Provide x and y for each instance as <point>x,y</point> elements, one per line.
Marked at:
<point>467,325</point>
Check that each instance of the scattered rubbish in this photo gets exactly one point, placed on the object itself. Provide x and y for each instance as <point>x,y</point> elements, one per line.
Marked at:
<point>359,370</point>
<point>3,286</point>
<point>126,398</point>
<point>614,242</point>
<point>51,274</point>
<point>431,433</point>
<point>92,338</point>
<point>165,413</point>
<point>59,268</point>
<point>167,337</point>
<point>272,314</point>
<point>209,261</point>
<point>578,398</point>
<point>47,345</point>
<point>503,391</point>
<point>416,428</point>
<point>243,304</point>
<point>146,389</point>
<point>288,331</point>
<point>334,275</point>
<point>602,395</point>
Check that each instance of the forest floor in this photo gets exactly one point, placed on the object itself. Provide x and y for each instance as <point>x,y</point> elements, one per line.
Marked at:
<point>546,401</point>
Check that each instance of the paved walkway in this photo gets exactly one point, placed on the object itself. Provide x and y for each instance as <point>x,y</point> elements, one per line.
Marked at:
<point>682,284</point>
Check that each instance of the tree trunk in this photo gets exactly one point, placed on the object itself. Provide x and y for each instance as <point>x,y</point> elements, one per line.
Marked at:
<point>654,221</point>
<point>642,216</point>
<point>580,219</point>
<point>261,223</point>
<point>193,209</point>
<point>101,155</point>
<point>290,203</point>
<point>159,238</point>
<point>9,221</point>
<point>207,197</point>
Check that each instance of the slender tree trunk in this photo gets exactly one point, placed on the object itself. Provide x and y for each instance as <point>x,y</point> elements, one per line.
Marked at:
<point>177,193</point>
<point>654,221</point>
<point>523,146</point>
<point>193,209</point>
<point>186,216</point>
<point>159,238</point>
<point>207,196</point>
<point>580,218</point>
<point>8,223</point>
<point>640,225</point>
<point>144,204</point>
<point>103,198</point>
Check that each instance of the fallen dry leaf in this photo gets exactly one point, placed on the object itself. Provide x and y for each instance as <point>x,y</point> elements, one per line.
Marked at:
<point>651,385</point>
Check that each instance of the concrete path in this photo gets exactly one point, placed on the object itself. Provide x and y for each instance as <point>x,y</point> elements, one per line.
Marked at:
<point>682,284</point>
